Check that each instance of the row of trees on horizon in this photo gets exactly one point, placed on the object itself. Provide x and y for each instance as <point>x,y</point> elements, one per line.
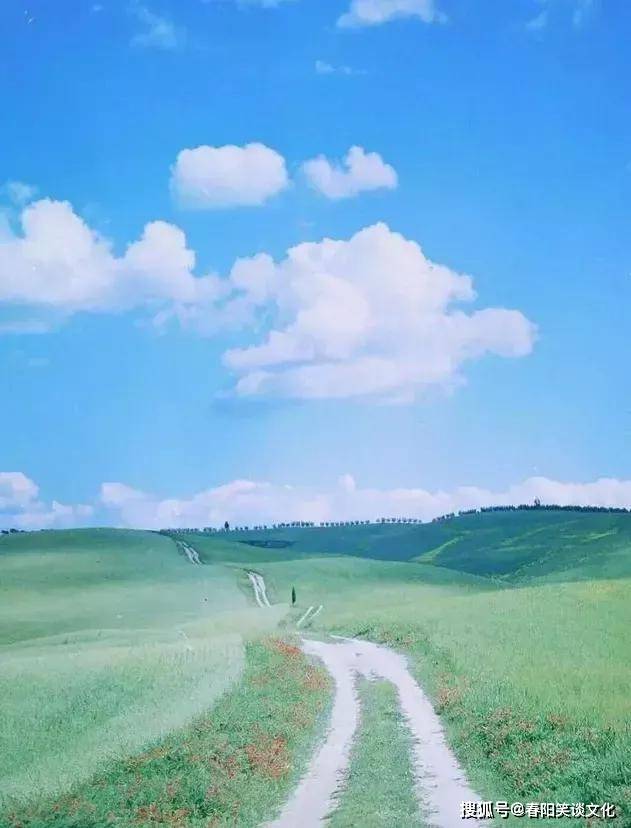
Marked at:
<point>309,524</point>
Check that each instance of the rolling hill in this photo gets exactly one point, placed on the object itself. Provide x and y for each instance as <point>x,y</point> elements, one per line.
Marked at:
<point>113,645</point>
<point>513,545</point>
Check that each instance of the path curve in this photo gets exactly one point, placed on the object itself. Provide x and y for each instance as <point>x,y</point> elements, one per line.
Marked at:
<point>441,784</point>
<point>190,551</point>
<point>314,797</point>
<point>260,589</point>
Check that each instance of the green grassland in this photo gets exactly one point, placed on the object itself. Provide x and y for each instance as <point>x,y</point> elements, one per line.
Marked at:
<point>233,765</point>
<point>515,622</point>
<point>499,544</point>
<point>525,650</point>
<point>108,640</point>
<point>529,664</point>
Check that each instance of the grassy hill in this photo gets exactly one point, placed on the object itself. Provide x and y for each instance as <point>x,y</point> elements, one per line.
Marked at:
<point>531,681</point>
<point>516,622</point>
<point>512,545</point>
<point>113,643</point>
<point>108,640</point>
<point>517,545</point>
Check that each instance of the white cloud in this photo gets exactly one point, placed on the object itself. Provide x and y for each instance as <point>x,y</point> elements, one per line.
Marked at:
<point>583,9</point>
<point>229,176</point>
<point>247,502</point>
<point>371,316</point>
<point>19,193</point>
<point>359,172</point>
<point>59,266</point>
<point>21,508</point>
<point>322,67</point>
<point>16,490</point>
<point>539,22</point>
<point>375,12</point>
<point>367,317</point>
<point>579,11</point>
<point>156,31</point>
<point>265,4</point>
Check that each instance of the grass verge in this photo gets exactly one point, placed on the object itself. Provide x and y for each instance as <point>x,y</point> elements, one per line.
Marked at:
<point>231,767</point>
<point>380,788</point>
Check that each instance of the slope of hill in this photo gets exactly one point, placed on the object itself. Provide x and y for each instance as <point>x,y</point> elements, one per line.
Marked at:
<point>108,639</point>
<point>521,544</point>
<point>512,545</point>
<point>515,622</point>
<point>530,672</point>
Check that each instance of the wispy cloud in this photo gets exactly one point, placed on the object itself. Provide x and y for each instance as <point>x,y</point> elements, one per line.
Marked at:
<point>265,4</point>
<point>539,22</point>
<point>583,10</point>
<point>18,192</point>
<point>376,12</point>
<point>155,30</point>
<point>578,12</point>
<point>322,67</point>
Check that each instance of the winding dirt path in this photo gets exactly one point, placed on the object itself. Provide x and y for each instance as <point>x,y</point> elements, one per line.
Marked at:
<point>313,799</point>
<point>190,552</point>
<point>440,781</point>
<point>441,784</point>
<point>260,590</point>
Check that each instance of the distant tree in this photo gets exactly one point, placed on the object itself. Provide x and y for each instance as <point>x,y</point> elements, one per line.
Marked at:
<point>293,596</point>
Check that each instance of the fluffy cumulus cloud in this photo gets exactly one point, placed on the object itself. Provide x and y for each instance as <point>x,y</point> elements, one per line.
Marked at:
<point>359,171</point>
<point>375,12</point>
<point>57,265</point>
<point>229,176</point>
<point>370,316</point>
<point>247,502</point>
<point>16,490</point>
<point>250,502</point>
<point>22,508</point>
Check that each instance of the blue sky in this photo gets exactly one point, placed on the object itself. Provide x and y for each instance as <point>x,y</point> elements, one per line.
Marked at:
<point>494,135</point>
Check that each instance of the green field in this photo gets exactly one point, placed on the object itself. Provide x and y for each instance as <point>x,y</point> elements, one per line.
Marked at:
<point>516,623</point>
<point>501,544</point>
<point>108,640</point>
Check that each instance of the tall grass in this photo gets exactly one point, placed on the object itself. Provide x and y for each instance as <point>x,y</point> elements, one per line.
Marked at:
<point>108,641</point>
<point>232,766</point>
<point>531,681</point>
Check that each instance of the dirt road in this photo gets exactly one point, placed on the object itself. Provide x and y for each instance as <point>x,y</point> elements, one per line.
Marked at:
<point>440,782</point>
<point>441,785</point>
<point>260,590</point>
